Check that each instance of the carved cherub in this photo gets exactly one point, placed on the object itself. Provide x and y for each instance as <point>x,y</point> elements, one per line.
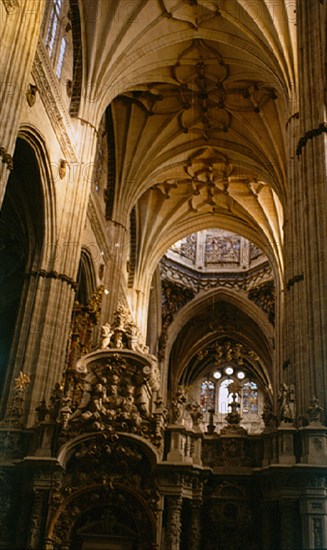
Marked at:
<point>106,334</point>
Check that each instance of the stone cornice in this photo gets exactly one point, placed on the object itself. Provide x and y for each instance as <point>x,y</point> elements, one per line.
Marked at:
<point>204,281</point>
<point>50,93</point>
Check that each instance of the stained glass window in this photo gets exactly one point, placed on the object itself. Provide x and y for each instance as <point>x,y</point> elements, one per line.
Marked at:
<point>215,394</point>
<point>208,395</point>
<point>250,398</point>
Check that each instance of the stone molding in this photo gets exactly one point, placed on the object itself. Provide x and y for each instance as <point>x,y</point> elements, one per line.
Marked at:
<point>53,275</point>
<point>315,132</point>
<point>48,87</point>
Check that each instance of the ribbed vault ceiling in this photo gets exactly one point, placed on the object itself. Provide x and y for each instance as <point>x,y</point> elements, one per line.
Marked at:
<point>200,93</point>
<point>128,43</point>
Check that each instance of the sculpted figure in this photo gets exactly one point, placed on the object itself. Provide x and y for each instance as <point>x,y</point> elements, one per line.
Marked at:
<point>286,400</point>
<point>178,407</point>
<point>106,334</point>
<point>133,333</point>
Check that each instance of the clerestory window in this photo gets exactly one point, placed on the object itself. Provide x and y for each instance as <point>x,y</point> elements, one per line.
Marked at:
<point>57,29</point>
<point>53,27</point>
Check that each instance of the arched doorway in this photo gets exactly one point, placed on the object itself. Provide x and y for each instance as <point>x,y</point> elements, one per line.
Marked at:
<point>108,499</point>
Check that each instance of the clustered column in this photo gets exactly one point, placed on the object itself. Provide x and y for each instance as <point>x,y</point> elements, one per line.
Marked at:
<point>306,226</point>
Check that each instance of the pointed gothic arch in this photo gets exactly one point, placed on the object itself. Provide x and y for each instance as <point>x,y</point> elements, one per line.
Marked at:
<point>28,227</point>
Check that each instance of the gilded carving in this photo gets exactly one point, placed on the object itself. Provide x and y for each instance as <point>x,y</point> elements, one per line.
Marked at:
<point>226,352</point>
<point>15,412</point>
<point>112,389</point>
<point>84,322</point>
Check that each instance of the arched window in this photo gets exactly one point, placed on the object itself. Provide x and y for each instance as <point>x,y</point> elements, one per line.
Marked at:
<point>215,395</point>
<point>85,279</point>
<point>57,34</point>
<point>54,26</point>
<point>63,45</point>
<point>224,397</point>
<point>249,398</point>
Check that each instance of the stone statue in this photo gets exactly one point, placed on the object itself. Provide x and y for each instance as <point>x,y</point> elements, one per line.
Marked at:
<point>178,406</point>
<point>286,400</point>
<point>106,334</point>
<point>314,411</point>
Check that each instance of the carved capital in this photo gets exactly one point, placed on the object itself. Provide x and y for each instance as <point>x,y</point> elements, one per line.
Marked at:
<point>11,5</point>
<point>6,158</point>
